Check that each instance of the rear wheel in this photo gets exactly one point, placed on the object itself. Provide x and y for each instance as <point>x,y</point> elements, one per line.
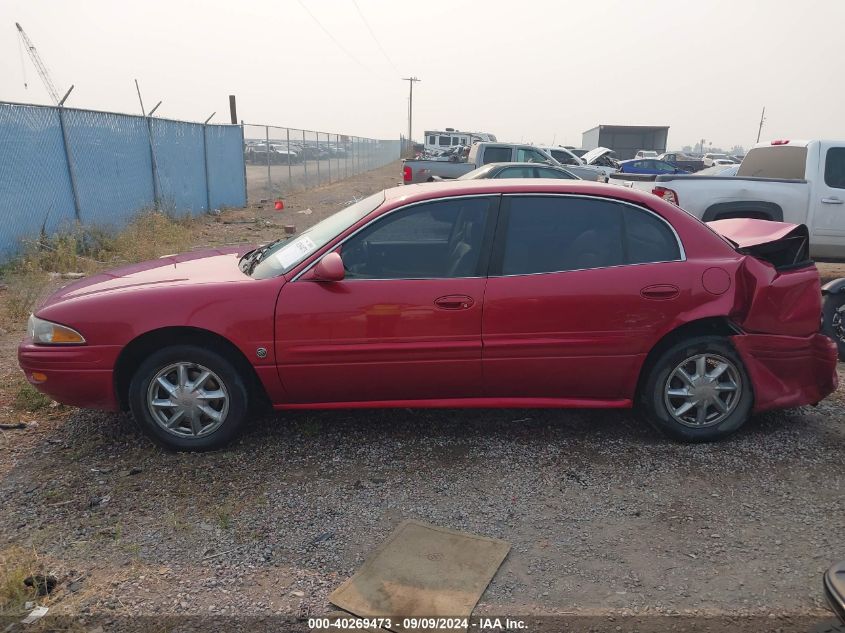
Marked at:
<point>698,391</point>
<point>833,323</point>
<point>189,398</point>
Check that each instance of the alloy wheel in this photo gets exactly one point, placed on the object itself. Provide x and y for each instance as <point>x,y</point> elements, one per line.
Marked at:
<point>188,400</point>
<point>702,390</point>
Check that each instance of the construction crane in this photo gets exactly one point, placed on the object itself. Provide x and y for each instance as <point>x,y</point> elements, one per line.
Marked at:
<point>39,66</point>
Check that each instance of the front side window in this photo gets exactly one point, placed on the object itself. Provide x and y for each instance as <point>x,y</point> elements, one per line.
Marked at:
<point>282,255</point>
<point>528,155</point>
<point>442,239</point>
<point>431,140</point>
<point>834,168</point>
<point>558,234</point>
<point>660,166</point>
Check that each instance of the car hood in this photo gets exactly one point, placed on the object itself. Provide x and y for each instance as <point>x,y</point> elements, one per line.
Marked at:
<point>207,266</point>
<point>595,154</point>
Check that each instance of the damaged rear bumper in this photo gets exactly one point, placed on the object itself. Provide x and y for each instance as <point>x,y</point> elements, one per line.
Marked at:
<point>788,371</point>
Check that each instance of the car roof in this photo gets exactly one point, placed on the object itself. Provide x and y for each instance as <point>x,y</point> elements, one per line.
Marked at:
<point>428,190</point>
<point>521,164</point>
<point>639,160</point>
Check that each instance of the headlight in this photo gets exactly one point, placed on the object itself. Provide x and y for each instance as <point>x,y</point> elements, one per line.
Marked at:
<point>47,333</point>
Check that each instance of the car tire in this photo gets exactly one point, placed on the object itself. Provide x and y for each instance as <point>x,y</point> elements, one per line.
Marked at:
<point>833,320</point>
<point>678,370</point>
<point>213,412</point>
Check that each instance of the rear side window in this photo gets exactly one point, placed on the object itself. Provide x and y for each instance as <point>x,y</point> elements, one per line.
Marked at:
<point>563,158</point>
<point>557,234</point>
<point>527,155</point>
<point>497,155</point>
<point>516,172</point>
<point>834,168</point>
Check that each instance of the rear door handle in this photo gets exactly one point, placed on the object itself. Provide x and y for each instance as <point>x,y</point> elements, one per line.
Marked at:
<point>660,292</point>
<point>831,201</point>
<point>454,302</point>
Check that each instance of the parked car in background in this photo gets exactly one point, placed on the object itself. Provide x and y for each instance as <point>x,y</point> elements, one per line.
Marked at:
<point>679,159</point>
<point>585,295</point>
<point>709,159</point>
<point>518,170</point>
<point>257,153</point>
<point>416,170</point>
<point>719,170</point>
<point>578,165</point>
<point>649,166</point>
<point>646,153</point>
<point>723,161</point>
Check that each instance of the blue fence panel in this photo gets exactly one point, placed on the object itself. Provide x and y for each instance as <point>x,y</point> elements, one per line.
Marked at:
<point>111,159</point>
<point>180,162</point>
<point>35,188</point>
<point>226,176</point>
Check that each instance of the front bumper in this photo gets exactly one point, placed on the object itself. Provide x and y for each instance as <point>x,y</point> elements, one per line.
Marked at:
<point>788,371</point>
<point>77,375</point>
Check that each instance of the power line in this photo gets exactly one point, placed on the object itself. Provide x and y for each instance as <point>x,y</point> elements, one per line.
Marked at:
<point>373,35</point>
<point>332,37</point>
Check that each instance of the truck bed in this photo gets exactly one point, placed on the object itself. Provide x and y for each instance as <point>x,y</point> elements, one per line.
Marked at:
<point>423,170</point>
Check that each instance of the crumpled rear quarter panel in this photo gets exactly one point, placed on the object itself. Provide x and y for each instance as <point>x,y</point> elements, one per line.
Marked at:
<point>788,371</point>
<point>779,302</point>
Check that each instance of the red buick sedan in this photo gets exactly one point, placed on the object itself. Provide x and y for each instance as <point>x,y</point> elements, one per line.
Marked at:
<point>522,293</point>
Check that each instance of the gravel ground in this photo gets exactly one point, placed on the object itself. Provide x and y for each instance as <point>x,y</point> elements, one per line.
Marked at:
<point>605,517</point>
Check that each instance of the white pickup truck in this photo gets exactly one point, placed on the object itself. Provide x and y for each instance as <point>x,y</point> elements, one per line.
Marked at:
<point>801,182</point>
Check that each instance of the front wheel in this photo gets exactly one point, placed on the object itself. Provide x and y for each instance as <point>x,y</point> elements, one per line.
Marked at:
<point>698,391</point>
<point>187,398</point>
<point>833,321</point>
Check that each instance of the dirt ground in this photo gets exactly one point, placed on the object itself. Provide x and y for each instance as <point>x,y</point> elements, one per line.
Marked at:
<point>608,522</point>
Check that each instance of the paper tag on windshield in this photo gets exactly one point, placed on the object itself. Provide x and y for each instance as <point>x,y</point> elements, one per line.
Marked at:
<point>295,251</point>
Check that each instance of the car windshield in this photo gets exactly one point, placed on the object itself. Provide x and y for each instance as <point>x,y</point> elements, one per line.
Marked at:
<point>279,257</point>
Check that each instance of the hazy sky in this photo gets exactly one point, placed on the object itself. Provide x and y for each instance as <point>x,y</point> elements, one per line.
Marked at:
<point>535,70</point>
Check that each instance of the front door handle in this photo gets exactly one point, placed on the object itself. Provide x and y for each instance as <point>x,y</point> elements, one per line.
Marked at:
<point>454,302</point>
<point>660,292</point>
<point>831,201</point>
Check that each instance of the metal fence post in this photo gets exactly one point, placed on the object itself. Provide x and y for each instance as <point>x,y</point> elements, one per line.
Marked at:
<point>329,161</point>
<point>267,149</point>
<point>290,177</point>
<point>205,163</point>
<point>318,158</point>
<point>77,211</point>
<point>153,165</point>
<point>304,161</point>
<point>243,162</point>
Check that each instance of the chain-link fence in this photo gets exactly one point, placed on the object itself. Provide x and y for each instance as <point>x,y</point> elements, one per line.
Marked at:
<point>280,160</point>
<point>63,165</point>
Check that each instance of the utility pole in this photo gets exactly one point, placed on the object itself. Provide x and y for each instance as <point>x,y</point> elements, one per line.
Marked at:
<point>762,118</point>
<point>411,81</point>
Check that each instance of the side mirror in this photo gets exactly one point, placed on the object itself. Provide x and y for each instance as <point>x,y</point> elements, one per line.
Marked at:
<point>330,268</point>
